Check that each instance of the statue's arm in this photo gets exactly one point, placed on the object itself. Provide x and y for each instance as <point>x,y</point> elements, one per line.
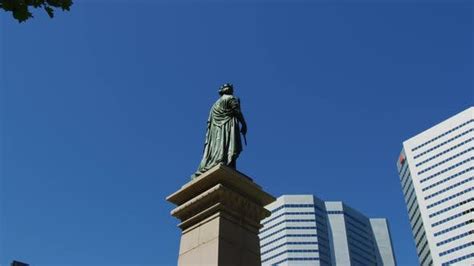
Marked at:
<point>241,119</point>
<point>240,116</point>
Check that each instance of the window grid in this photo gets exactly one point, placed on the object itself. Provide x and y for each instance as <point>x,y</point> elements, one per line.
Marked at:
<point>368,255</point>
<point>456,249</point>
<point>288,213</point>
<point>417,232</point>
<point>453,217</point>
<point>403,170</point>
<point>406,176</point>
<point>450,197</point>
<point>416,222</point>
<point>291,251</point>
<point>422,248</point>
<point>320,236</point>
<point>412,205</point>
<point>454,227</point>
<point>411,194</point>
<point>417,227</point>
<point>289,243</point>
<point>442,135</point>
<point>362,229</point>
<point>415,212</point>
<point>350,228</point>
<point>448,178</point>
<point>445,161</point>
<point>455,238</point>
<point>422,237</point>
<point>427,255</point>
<point>407,188</point>
<point>445,151</point>
<point>321,227</point>
<point>442,143</point>
<point>289,235</point>
<point>356,220</point>
<point>284,221</point>
<point>348,215</point>
<point>363,243</point>
<point>459,259</point>
<point>358,261</point>
<point>445,170</point>
<point>449,188</point>
<point>287,228</point>
<point>352,252</point>
<point>451,207</point>
<point>296,259</point>
<point>404,173</point>
<point>297,206</point>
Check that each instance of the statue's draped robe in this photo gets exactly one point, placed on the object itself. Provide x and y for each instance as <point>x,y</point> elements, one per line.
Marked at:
<point>223,143</point>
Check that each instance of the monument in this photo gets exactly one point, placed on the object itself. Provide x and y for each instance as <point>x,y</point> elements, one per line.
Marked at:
<point>223,143</point>
<point>220,209</point>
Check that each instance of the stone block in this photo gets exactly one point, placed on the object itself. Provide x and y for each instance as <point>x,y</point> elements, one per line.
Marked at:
<point>189,240</point>
<point>220,213</point>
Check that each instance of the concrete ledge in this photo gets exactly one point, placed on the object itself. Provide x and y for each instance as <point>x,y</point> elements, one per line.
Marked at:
<point>221,174</point>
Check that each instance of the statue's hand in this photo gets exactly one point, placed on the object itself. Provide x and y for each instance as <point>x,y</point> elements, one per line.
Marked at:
<point>243,130</point>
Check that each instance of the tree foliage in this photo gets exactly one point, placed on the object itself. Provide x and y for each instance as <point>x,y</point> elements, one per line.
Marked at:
<point>21,8</point>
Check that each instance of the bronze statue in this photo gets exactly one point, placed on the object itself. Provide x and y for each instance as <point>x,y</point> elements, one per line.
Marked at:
<point>223,143</point>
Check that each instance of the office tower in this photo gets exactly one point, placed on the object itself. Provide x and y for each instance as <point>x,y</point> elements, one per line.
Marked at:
<point>304,230</point>
<point>436,175</point>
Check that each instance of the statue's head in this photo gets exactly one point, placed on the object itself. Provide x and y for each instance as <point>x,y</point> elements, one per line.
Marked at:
<point>227,88</point>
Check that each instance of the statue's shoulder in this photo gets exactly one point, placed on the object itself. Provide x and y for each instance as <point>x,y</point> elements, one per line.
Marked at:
<point>232,101</point>
<point>230,97</point>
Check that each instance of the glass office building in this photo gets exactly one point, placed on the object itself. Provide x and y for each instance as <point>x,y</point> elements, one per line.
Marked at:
<point>436,170</point>
<point>304,230</point>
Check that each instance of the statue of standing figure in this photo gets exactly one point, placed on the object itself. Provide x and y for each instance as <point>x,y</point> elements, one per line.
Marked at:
<point>223,142</point>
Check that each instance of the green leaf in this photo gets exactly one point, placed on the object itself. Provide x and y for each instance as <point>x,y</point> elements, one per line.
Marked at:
<point>20,8</point>
<point>21,13</point>
<point>50,11</point>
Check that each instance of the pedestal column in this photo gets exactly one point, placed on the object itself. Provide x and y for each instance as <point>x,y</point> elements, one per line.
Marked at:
<point>220,214</point>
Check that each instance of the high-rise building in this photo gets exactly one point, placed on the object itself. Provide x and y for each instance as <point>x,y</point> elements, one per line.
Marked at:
<point>304,230</point>
<point>436,173</point>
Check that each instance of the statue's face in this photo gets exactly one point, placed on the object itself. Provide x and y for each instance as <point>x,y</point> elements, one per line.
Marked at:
<point>227,90</point>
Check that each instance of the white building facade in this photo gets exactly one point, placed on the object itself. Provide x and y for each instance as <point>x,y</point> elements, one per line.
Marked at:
<point>304,230</point>
<point>436,169</point>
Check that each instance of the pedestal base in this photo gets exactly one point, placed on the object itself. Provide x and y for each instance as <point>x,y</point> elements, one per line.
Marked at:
<point>220,213</point>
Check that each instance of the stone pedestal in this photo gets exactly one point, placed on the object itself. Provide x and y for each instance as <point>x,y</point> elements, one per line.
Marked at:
<point>220,213</point>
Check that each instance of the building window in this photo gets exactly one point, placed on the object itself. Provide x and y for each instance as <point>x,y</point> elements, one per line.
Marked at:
<point>455,238</point>
<point>445,170</point>
<point>451,207</point>
<point>443,143</point>
<point>297,259</point>
<point>450,197</point>
<point>442,135</point>
<point>445,151</point>
<point>456,249</point>
<point>449,188</point>
<point>291,251</point>
<point>448,178</point>
<point>445,161</point>
<point>454,227</point>
<point>453,217</point>
<point>287,228</point>
<point>459,259</point>
<point>288,243</point>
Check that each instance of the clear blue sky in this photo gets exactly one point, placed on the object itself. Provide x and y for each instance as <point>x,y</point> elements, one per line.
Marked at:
<point>103,112</point>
